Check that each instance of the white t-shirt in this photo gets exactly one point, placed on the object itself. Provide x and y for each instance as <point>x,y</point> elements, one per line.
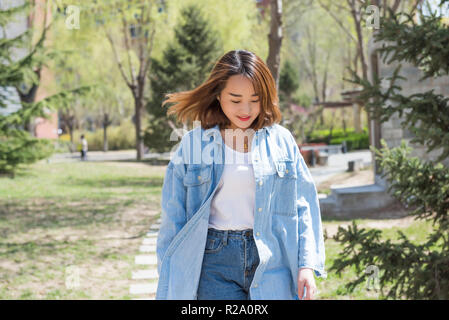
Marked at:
<point>232,207</point>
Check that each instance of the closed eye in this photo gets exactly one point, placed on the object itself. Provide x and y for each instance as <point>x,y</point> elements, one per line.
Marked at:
<point>240,101</point>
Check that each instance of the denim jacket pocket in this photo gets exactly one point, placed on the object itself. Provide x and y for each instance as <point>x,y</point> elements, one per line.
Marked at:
<point>285,184</point>
<point>196,175</point>
<point>197,181</point>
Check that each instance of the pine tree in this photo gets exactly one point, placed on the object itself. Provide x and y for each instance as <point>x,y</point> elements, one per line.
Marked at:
<point>184,65</point>
<point>411,270</point>
<point>17,146</point>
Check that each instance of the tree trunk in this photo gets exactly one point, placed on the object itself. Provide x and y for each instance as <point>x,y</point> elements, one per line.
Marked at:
<point>138,124</point>
<point>275,40</point>
<point>356,15</point>
<point>106,124</point>
<point>70,128</point>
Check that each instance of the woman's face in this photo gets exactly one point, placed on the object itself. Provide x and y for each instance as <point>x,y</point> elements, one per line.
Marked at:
<point>239,102</point>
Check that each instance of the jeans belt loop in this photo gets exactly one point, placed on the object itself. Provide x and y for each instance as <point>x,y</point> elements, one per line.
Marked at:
<point>225,237</point>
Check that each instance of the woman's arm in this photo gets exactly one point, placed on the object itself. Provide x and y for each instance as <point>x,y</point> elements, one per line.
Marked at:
<point>311,241</point>
<point>173,202</point>
<point>311,254</point>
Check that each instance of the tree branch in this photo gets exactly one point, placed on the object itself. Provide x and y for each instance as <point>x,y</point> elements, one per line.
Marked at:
<point>330,12</point>
<point>117,60</point>
<point>127,47</point>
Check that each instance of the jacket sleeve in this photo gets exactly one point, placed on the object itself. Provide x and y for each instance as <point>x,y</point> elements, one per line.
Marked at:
<point>311,241</point>
<point>173,206</point>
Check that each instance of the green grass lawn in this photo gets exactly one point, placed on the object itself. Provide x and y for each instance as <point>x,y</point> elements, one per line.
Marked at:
<point>85,216</point>
<point>92,217</point>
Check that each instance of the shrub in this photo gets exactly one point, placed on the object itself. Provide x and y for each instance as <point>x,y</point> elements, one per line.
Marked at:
<point>354,140</point>
<point>120,137</point>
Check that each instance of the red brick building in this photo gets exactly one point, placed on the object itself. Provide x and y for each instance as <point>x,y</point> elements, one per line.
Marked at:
<point>40,127</point>
<point>44,128</point>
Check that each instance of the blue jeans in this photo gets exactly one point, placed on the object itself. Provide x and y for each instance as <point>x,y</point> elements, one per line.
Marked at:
<point>230,260</point>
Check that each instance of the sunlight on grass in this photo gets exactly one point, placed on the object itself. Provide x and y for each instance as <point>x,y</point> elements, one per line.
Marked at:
<point>89,215</point>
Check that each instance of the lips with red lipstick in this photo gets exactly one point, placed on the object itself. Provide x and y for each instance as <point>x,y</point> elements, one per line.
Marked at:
<point>244,119</point>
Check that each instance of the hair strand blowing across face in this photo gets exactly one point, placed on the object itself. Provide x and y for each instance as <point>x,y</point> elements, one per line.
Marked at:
<point>202,104</point>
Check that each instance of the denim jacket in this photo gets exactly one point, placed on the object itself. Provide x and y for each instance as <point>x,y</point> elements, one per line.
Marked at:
<point>287,219</point>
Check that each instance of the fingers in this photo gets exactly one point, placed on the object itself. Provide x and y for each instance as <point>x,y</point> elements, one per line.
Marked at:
<point>310,290</point>
<point>301,288</point>
<point>305,280</point>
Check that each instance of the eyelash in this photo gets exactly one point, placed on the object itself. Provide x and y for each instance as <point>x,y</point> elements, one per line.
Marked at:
<point>239,101</point>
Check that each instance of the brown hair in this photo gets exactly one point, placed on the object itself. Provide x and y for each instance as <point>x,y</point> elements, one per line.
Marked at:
<point>201,103</point>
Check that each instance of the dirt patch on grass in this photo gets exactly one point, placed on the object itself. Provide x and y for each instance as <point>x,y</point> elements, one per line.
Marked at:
<point>35,260</point>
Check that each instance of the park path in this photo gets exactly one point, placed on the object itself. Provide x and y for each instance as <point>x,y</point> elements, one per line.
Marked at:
<point>338,163</point>
<point>119,155</point>
<point>144,280</point>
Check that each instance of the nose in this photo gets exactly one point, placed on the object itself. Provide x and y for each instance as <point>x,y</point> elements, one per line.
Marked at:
<point>246,110</point>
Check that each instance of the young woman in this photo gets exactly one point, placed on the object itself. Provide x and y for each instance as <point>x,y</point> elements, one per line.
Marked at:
<point>240,212</point>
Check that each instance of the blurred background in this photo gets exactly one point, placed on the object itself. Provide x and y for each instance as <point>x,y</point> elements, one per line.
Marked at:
<point>363,87</point>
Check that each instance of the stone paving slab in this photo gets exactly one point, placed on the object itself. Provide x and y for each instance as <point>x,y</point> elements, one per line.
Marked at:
<point>143,288</point>
<point>148,248</point>
<point>146,259</point>
<point>148,274</point>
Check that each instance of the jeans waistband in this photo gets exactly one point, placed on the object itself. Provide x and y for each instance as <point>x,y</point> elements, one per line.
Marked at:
<point>236,234</point>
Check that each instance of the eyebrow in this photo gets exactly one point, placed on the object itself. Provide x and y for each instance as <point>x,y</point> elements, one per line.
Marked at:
<point>239,95</point>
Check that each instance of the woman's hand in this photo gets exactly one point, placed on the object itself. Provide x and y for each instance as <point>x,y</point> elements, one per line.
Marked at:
<point>306,279</point>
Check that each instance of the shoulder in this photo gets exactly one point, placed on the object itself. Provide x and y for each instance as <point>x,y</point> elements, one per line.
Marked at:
<point>282,133</point>
<point>186,137</point>
<point>186,151</point>
<point>194,133</point>
<point>284,140</point>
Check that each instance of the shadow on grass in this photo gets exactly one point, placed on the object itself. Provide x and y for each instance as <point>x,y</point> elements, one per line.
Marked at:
<point>54,213</point>
<point>32,248</point>
<point>149,162</point>
<point>118,182</point>
<point>23,171</point>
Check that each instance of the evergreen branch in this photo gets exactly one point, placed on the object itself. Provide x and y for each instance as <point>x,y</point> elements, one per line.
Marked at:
<point>38,109</point>
<point>425,45</point>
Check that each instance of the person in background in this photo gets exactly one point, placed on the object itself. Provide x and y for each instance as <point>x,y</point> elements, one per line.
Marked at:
<point>84,148</point>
